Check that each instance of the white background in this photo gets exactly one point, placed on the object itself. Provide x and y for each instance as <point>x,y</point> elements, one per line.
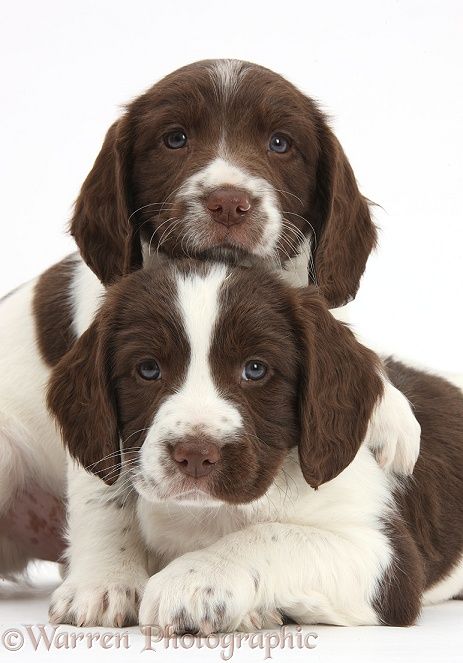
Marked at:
<point>389,74</point>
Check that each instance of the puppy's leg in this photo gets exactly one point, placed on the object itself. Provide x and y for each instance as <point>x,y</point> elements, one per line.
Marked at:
<point>13,475</point>
<point>106,565</point>
<point>393,433</point>
<point>308,574</point>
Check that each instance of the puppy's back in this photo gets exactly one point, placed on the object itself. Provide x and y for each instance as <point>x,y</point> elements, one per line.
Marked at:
<point>431,502</point>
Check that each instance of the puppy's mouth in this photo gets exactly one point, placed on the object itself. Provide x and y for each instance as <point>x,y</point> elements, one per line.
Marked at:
<point>179,489</point>
<point>191,231</point>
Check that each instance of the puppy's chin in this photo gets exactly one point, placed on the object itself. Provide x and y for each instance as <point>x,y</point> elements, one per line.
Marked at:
<point>194,497</point>
<point>234,255</point>
<point>182,492</point>
<point>230,254</point>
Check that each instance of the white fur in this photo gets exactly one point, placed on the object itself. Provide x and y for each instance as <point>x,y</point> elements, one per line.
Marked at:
<point>197,405</point>
<point>86,293</point>
<point>23,376</point>
<point>315,555</point>
<point>30,449</point>
<point>226,76</point>
<point>32,452</point>
<point>222,172</point>
<point>105,557</point>
<point>296,270</point>
<point>392,433</point>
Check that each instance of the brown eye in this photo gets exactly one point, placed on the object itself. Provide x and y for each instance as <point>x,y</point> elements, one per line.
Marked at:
<point>149,370</point>
<point>176,139</point>
<point>278,143</point>
<point>254,370</point>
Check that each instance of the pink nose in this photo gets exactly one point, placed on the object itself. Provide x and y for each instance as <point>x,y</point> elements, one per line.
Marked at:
<point>228,206</point>
<point>196,457</point>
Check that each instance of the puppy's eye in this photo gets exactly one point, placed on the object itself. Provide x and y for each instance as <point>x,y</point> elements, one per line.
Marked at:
<point>175,139</point>
<point>149,370</point>
<point>279,143</point>
<point>254,370</point>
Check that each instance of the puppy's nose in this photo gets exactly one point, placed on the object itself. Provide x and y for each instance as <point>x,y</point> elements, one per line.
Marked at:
<point>196,458</point>
<point>228,206</point>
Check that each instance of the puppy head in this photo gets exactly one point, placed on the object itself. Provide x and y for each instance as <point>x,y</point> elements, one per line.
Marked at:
<point>203,376</point>
<point>224,158</point>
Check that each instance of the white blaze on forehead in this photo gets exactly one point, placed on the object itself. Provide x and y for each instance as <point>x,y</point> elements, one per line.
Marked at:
<point>222,172</point>
<point>227,75</point>
<point>197,405</point>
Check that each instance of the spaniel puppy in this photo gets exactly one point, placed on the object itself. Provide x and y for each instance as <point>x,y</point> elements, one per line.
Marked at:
<point>232,410</point>
<point>219,158</point>
<point>224,157</point>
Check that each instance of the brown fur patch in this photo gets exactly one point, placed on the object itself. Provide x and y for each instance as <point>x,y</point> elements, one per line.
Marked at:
<point>427,536</point>
<point>398,599</point>
<point>339,388</point>
<point>95,390</point>
<point>53,312</point>
<point>432,501</point>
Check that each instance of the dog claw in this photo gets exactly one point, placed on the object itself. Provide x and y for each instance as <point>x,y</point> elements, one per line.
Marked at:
<point>206,628</point>
<point>275,615</point>
<point>256,621</point>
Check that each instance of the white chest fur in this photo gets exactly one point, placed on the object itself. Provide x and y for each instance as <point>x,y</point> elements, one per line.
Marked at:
<point>352,505</point>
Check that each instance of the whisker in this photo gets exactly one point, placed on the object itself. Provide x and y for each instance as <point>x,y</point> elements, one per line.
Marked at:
<point>129,494</point>
<point>307,251</point>
<point>168,232</point>
<point>144,207</point>
<point>291,226</point>
<point>306,221</point>
<point>301,248</point>
<point>170,195</point>
<point>159,226</point>
<point>288,193</point>
<point>115,469</point>
<point>155,231</point>
<point>113,453</point>
<point>281,248</point>
<point>292,246</point>
<point>140,430</point>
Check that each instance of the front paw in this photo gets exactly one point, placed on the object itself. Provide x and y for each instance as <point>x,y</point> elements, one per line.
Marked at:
<point>199,593</point>
<point>97,602</point>
<point>394,434</point>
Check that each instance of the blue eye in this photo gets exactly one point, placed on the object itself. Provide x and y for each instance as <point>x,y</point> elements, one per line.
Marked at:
<point>278,143</point>
<point>254,370</point>
<point>175,139</point>
<point>149,370</point>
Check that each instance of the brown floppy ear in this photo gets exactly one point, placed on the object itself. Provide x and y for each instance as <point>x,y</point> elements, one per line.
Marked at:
<point>80,399</point>
<point>346,234</point>
<point>340,386</point>
<point>108,242</point>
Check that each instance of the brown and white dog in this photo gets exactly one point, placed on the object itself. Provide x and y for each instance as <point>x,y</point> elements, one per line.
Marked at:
<point>225,157</point>
<point>219,158</point>
<point>234,407</point>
